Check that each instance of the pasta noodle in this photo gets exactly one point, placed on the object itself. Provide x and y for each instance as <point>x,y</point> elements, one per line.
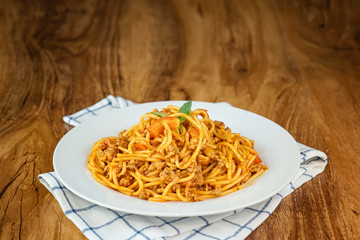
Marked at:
<point>174,155</point>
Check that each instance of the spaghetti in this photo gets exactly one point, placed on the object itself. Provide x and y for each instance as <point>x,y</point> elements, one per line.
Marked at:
<point>176,155</point>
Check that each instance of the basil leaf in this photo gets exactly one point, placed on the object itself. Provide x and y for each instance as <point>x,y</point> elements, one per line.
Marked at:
<point>159,114</point>
<point>186,108</point>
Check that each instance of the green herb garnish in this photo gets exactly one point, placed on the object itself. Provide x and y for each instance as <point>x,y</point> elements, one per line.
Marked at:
<point>159,114</point>
<point>186,108</point>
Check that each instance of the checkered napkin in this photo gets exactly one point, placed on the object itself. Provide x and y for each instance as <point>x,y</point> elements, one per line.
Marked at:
<point>97,222</point>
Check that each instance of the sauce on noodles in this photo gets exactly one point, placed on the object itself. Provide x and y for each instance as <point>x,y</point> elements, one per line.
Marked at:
<point>176,155</point>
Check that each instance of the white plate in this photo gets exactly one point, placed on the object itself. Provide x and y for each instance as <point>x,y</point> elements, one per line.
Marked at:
<point>276,147</point>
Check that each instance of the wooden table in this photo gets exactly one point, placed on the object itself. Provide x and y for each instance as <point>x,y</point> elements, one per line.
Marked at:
<point>294,62</point>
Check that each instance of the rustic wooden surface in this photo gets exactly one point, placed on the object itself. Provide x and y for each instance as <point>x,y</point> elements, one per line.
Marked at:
<point>294,62</point>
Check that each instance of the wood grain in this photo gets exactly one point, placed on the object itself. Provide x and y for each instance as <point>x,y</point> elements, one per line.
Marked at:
<point>294,62</point>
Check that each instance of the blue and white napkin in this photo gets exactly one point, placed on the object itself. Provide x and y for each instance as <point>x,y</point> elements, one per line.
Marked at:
<point>97,222</point>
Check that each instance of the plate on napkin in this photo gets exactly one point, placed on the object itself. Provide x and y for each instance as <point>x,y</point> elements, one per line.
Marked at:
<point>276,147</point>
